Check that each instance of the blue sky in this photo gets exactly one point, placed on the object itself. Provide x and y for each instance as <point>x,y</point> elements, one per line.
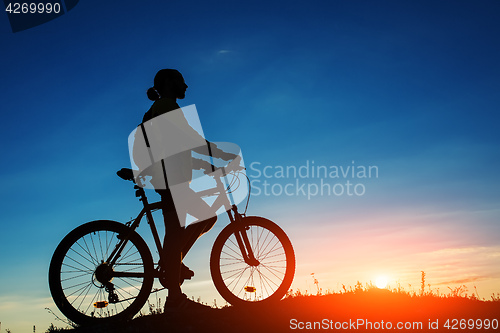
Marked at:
<point>410,87</point>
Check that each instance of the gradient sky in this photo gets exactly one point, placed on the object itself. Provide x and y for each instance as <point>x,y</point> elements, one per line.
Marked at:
<point>411,87</point>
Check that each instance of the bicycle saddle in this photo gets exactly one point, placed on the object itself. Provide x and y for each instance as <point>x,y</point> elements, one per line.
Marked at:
<point>126,174</point>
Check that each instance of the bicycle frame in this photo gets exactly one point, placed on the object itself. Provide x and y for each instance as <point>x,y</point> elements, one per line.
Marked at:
<point>221,201</point>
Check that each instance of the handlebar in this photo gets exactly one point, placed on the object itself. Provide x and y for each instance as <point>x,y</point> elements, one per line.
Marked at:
<point>233,167</point>
<point>210,169</point>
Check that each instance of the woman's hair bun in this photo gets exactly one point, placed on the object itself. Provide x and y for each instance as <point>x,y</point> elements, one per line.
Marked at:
<point>153,94</point>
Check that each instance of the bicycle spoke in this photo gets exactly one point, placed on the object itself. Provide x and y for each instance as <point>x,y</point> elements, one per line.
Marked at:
<point>241,281</point>
<point>237,252</point>
<point>86,290</point>
<point>88,268</point>
<point>100,243</point>
<point>269,280</point>
<point>240,275</point>
<point>126,255</point>
<point>86,284</point>
<point>259,241</point>
<point>77,269</point>
<point>233,257</point>
<point>93,262</point>
<point>109,247</point>
<point>87,250</point>
<point>91,303</point>
<point>93,245</point>
<point>262,283</point>
<point>252,269</point>
<point>131,285</point>
<point>74,277</point>
<point>273,249</point>
<point>263,249</point>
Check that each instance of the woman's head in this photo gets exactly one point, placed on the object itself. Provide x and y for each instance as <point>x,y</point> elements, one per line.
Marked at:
<point>168,83</point>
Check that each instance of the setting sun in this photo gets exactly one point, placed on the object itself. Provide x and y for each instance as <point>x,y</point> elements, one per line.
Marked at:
<point>381,282</point>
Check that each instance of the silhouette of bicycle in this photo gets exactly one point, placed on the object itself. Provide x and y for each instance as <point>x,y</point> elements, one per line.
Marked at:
<point>103,270</point>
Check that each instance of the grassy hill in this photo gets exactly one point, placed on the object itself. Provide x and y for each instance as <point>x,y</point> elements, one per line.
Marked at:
<point>363,310</point>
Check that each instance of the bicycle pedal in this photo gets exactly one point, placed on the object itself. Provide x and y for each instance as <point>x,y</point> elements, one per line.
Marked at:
<point>100,304</point>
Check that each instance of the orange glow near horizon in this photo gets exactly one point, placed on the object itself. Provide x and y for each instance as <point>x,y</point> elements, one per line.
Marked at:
<point>345,249</point>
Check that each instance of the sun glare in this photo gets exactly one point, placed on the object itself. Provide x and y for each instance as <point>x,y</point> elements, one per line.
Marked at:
<point>381,282</point>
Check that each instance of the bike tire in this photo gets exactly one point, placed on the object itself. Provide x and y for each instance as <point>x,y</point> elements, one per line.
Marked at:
<point>74,286</point>
<point>242,284</point>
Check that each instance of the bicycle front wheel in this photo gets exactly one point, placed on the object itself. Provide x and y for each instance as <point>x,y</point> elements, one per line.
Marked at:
<point>89,290</point>
<point>268,279</point>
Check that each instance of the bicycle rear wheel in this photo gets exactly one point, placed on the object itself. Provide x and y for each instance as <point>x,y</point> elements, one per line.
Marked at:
<point>241,283</point>
<point>87,289</point>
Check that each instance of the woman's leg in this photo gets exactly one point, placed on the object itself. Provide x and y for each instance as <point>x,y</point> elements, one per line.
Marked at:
<point>172,245</point>
<point>199,209</point>
<point>195,231</point>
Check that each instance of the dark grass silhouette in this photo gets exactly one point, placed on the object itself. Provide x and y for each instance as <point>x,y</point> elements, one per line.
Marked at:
<point>362,308</point>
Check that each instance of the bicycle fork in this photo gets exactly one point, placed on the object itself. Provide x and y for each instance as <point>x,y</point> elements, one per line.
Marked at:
<point>242,238</point>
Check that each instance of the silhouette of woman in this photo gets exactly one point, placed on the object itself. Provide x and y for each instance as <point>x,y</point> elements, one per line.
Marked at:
<point>169,85</point>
